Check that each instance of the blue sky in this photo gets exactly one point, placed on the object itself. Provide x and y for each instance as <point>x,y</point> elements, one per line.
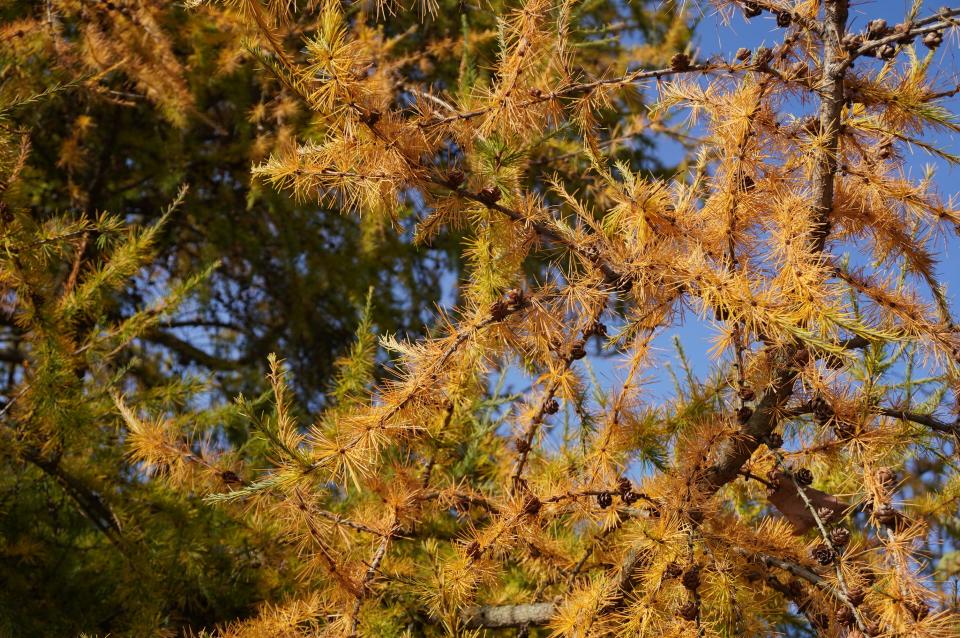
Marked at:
<point>714,36</point>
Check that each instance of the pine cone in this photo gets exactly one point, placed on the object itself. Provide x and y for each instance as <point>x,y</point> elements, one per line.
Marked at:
<point>516,298</point>
<point>532,506</point>
<point>840,537</point>
<point>691,578</point>
<point>680,62</point>
<point>933,40</point>
<point>856,596</point>
<point>886,477</point>
<point>877,28</point>
<point>230,478</point>
<point>774,441</point>
<point>752,10</point>
<point>784,19</point>
<point>747,394</point>
<point>604,500</point>
<point>499,310</point>
<point>886,515</point>
<point>804,477</point>
<point>489,195</point>
<point>596,328</point>
<point>552,407</point>
<point>455,178</point>
<point>822,412</point>
<point>743,54</point>
<point>630,498</point>
<point>887,52</point>
<point>743,414</point>
<point>673,570</point>
<point>845,617</point>
<point>624,486</point>
<point>577,351</point>
<point>473,550</point>
<point>822,554</point>
<point>521,445</point>
<point>688,610</point>
<point>763,56</point>
<point>852,41</point>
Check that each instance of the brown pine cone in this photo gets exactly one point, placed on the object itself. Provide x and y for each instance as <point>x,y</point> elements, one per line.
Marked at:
<point>877,28</point>
<point>489,195</point>
<point>691,578</point>
<point>624,486</point>
<point>886,477</point>
<point>577,351</point>
<point>784,19</point>
<point>743,54</point>
<point>840,537</point>
<point>680,62</point>
<point>774,441</point>
<point>917,608</point>
<point>845,617</point>
<point>933,40</point>
<point>521,445</point>
<point>499,310</point>
<point>688,610</point>
<point>673,570</point>
<point>822,554</point>
<point>886,515</point>
<point>804,477</point>
<point>856,596</point>
<point>752,10</point>
<point>455,178</point>
<point>551,407</point>
<point>743,414</point>
<point>604,500</point>
<point>532,506</point>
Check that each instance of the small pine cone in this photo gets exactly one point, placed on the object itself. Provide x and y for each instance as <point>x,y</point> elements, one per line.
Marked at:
<point>596,328</point>
<point>532,505</point>
<point>680,62</point>
<point>474,551</point>
<point>521,445</point>
<point>917,608</point>
<point>691,578</point>
<point>499,310</point>
<point>784,19</point>
<point>852,41</point>
<point>688,610</point>
<point>489,195</point>
<point>516,298</point>
<point>743,414</point>
<point>856,596</point>
<point>552,407</point>
<point>933,40</point>
<point>845,616</point>
<point>577,351</point>
<point>752,10</point>
<point>887,52</point>
<point>822,411</point>
<point>604,500</point>
<point>877,28</point>
<point>672,570</point>
<point>536,93</point>
<point>624,486</point>
<point>774,441</point>
<point>822,554</point>
<point>371,117</point>
<point>743,54</point>
<point>230,478</point>
<point>630,498</point>
<point>763,56</point>
<point>886,515</point>
<point>840,536</point>
<point>747,394</point>
<point>887,478</point>
<point>455,178</point>
<point>804,476</point>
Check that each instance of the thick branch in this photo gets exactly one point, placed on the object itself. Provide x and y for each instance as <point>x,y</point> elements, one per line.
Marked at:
<point>505,616</point>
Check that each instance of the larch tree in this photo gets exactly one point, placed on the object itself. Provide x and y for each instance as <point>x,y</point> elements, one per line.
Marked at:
<point>174,298</point>
<point>808,486</point>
